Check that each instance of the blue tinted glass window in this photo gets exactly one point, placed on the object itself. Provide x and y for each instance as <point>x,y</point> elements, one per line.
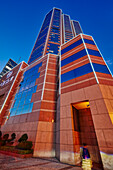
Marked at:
<point>30,107</point>
<point>67,23</point>
<point>46,20</point>
<point>28,99</point>
<point>19,110</point>
<point>19,95</point>
<point>24,93</point>
<point>73,57</point>
<point>16,103</point>
<point>38,50</point>
<point>68,31</point>
<point>43,33</point>
<point>94,52</point>
<point>53,48</point>
<point>77,27</point>
<point>25,109</point>
<point>55,30</point>
<point>34,89</point>
<point>76,73</point>
<point>57,18</point>
<point>101,68</point>
<point>54,33</point>
<point>13,111</point>
<point>32,84</point>
<point>54,38</point>
<point>35,57</point>
<point>30,91</point>
<point>56,23</point>
<point>23,99</point>
<point>41,39</point>
<point>70,47</point>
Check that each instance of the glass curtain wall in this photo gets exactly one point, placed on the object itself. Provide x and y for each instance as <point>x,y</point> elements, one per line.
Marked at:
<point>54,37</point>
<point>67,28</point>
<point>22,102</point>
<point>37,51</point>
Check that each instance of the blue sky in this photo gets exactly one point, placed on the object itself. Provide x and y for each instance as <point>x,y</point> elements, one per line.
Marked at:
<point>21,20</point>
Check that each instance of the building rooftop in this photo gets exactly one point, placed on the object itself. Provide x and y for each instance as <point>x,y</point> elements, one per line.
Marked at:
<point>9,65</point>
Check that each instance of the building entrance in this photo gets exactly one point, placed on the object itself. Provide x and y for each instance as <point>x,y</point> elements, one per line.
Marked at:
<point>84,131</point>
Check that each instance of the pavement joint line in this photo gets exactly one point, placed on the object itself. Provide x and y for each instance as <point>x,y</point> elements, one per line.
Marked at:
<point>57,161</point>
<point>28,166</point>
<point>69,167</point>
<point>13,161</point>
<point>47,159</point>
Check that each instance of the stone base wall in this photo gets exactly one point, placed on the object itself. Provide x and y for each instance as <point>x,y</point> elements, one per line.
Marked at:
<point>100,98</point>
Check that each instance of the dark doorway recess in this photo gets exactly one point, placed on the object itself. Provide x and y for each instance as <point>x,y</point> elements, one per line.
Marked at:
<point>84,131</point>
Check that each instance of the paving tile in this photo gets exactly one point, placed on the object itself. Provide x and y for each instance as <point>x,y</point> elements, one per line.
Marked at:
<point>55,165</point>
<point>14,163</point>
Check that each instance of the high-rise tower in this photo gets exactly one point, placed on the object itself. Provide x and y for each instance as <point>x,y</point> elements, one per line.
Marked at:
<point>65,97</point>
<point>48,40</point>
<point>56,29</point>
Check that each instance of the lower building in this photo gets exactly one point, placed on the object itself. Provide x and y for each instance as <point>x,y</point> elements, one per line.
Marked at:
<point>9,85</point>
<point>34,108</point>
<point>8,67</point>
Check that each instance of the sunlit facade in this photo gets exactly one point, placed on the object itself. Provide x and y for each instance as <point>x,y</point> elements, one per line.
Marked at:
<point>65,95</point>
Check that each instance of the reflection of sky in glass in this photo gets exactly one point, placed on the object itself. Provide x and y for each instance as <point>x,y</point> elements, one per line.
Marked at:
<point>40,42</point>
<point>22,103</point>
<point>54,36</point>
<point>68,30</point>
<point>77,27</point>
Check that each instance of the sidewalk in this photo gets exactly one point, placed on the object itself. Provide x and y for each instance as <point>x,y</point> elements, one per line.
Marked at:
<point>14,163</point>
